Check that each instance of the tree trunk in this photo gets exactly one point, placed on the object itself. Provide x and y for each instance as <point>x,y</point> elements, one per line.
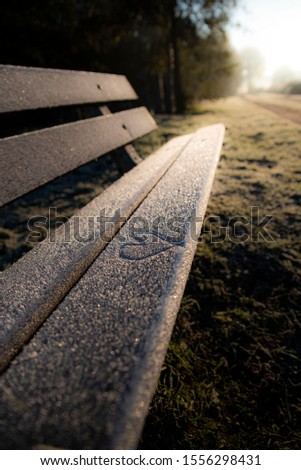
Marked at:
<point>161,93</point>
<point>177,83</point>
<point>171,67</point>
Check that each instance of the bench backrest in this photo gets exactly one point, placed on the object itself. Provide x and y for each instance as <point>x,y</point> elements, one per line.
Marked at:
<point>31,159</point>
<point>86,316</point>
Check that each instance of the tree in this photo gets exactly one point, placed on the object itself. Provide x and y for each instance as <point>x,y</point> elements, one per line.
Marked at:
<point>281,77</point>
<point>187,22</point>
<point>252,64</point>
<point>158,44</point>
<point>215,69</point>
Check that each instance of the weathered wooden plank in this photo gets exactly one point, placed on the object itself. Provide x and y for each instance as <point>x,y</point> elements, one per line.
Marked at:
<point>24,88</point>
<point>86,378</point>
<point>32,159</point>
<point>127,157</point>
<point>33,286</point>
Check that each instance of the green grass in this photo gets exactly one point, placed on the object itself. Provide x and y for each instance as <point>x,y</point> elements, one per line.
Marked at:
<point>232,375</point>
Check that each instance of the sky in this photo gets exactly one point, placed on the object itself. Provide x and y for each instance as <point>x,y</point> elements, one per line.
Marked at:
<point>274,28</point>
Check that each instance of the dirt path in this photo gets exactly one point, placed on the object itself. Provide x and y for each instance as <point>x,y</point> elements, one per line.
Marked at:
<point>232,376</point>
<point>294,116</point>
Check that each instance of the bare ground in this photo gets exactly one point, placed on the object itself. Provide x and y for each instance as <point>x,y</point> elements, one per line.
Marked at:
<point>283,105</point>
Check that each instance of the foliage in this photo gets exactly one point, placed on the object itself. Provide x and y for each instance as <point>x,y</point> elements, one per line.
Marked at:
<point>162,46</point>
<point>293,88</point>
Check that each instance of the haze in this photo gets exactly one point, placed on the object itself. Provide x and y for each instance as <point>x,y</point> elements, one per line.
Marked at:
<point>273,28</point>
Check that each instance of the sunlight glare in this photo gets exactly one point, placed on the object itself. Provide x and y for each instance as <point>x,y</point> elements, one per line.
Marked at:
<point>273,28</point>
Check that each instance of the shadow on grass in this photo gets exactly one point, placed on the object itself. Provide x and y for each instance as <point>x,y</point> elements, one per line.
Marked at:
<point>66,193</point>
<point>232,376</point>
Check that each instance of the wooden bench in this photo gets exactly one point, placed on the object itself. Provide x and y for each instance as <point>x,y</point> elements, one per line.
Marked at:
<point>86,320</point>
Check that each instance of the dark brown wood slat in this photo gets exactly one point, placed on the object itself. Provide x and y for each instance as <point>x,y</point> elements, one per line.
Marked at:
<point>32,287</point>
<point>30,160</point>
<point>86,378</point>
<point>127,158</point>
<point>24,88</point>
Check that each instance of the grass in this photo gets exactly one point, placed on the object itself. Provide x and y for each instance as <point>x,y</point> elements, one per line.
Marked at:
<point>232,375</point>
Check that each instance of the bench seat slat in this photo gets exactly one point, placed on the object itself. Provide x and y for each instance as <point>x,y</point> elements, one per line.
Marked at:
<point>97,358</point>
<point>37,282</point>
<point>32,159</point>
<point>28,88</point>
